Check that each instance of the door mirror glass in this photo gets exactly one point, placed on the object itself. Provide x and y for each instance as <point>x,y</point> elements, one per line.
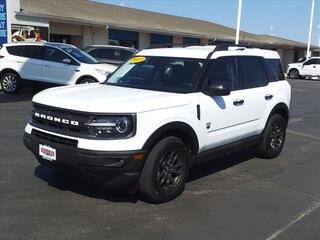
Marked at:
<point>66,60</point>
<point>218,90</point>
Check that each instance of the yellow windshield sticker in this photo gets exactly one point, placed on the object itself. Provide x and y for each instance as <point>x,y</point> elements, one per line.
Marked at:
<point>137,59</point>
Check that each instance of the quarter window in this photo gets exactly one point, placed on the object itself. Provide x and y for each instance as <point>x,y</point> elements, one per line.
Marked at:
<point>251,72</point>
<point>223,72</point>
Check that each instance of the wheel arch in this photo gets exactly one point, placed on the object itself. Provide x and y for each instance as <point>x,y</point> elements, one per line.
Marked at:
<point>7,70</point>
<point>282,109</point>
<point>86,76</point>
<point>178,129</point>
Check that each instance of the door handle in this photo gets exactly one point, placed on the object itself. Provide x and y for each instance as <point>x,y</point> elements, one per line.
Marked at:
<point>19,61</point>
<point>238,102</point>
<point>268,97</point>
<point>314,66</point>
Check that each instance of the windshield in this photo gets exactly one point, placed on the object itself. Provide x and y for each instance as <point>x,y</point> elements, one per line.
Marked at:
<point>81,56</point>
<point>158,73</point>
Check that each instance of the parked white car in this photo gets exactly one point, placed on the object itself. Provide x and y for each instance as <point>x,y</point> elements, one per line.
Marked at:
<point>160,113</point>
<point>48,63</point>
<point>308,68</point>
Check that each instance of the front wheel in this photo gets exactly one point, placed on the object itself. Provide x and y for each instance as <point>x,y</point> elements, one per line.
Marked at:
<point>294,74</point>
<point>10,82</point>
<point>165,171</point>
<point>273,137</point>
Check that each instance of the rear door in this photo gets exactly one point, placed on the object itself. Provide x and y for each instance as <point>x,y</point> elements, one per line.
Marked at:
<point>29,61</point>
<point>252,93</point>
<point>230,118</point>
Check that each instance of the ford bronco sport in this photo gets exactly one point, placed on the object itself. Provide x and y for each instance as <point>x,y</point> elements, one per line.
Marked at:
<point>161,112</point>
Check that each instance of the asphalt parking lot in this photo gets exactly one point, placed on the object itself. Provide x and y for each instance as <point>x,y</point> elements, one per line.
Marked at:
<point>235,197</point>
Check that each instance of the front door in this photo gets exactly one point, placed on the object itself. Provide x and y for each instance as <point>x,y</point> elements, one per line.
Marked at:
<point>57,71</point>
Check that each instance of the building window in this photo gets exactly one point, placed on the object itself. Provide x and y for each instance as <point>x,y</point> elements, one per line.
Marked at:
<point>188,41</point>
<point>159,40</point>
<point>124,38</point>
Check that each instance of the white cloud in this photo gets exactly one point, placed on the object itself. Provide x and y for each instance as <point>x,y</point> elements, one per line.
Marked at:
<point>271,28</point>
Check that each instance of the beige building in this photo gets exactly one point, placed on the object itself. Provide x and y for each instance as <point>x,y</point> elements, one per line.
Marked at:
<point>83,23</point>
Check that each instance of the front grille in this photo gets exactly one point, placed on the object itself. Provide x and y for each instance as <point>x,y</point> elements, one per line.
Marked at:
<point>70,122</point>
<point>55,139</point>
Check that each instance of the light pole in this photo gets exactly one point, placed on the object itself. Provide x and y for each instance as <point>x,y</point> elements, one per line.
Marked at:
<point>310,30</point>
<point>238,22</point>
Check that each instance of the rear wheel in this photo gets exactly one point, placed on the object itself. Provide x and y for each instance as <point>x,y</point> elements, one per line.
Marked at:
<point>294,74</point>
<point>274,137</point>
<point>10,82</point>
<point>165,171</point>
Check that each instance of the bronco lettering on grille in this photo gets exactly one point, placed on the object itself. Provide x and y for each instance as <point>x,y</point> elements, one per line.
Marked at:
<point>56,119</point>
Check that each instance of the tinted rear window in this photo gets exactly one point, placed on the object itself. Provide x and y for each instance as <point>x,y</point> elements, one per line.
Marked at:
<point>276,66</point>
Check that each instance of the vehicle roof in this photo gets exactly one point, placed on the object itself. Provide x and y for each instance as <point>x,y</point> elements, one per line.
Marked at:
<point>52,44</point>
<point>202,52</point>
<point>111,46</point>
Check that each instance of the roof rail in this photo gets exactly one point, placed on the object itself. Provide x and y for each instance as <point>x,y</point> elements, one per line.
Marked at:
<point>225,47</point>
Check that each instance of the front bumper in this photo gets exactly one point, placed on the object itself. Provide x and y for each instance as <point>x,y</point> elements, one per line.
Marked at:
<point>110,169</point>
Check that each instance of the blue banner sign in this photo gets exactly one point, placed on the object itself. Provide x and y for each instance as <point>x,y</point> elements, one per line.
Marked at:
<point>3,22</point>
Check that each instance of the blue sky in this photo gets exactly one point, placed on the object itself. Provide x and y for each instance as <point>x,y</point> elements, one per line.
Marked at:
<point>283,18</point>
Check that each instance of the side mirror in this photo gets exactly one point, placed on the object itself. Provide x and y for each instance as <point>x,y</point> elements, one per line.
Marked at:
<point>66,61</point>
<point>218,90</point>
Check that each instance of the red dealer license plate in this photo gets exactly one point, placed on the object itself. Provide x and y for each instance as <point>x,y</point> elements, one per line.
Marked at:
<point>47,152</point>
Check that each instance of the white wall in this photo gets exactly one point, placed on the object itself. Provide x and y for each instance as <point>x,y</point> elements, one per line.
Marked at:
<point>144,40</point>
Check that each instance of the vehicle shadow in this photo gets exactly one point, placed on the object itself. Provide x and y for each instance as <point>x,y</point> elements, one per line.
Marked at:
<point>69,183</point>
<point>24,95</point>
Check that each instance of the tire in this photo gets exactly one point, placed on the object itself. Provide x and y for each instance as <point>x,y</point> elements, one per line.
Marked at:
<point>294,74</point>
<point>274,137</point>
<point>86,80</point>
<point>165,171</point>
<point>10,82</point>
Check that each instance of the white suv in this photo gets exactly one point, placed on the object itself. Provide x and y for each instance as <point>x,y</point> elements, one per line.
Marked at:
<point>48,63</point>
<point>161,112</point>
<point>308,68</point>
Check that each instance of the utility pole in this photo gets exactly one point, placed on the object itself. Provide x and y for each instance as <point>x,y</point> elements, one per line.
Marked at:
<point>238,22</point>
<point>310,30</point>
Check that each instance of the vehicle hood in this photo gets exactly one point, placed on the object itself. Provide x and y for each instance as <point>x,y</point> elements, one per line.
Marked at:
<point>295,64</point>
<point>103,66</point>
<point>101,98</point>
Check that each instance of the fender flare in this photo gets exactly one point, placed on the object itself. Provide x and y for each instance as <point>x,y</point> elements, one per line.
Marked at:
<point>179,129</point>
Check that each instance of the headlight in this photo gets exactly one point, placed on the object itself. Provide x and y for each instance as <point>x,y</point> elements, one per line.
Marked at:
<point>112,126</point>
<point>103,72</point>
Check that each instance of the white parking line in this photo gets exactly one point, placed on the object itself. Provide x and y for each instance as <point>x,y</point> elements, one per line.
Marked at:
<point>304,135</point>
<point>301,215</point>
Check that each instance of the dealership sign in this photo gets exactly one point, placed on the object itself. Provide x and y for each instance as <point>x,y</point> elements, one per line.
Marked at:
<point>3,21</point>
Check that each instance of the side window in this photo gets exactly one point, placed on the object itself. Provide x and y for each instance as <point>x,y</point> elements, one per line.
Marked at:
<point>124,55</point>
<point>251,72</point>
<point>318,61</point>
<point>16,50</point>
<point>102,53</point>
<point>33,52</point>
<point>271,75</point>
<point>223,71</point>
<point>310,62</point>
<point>54,55</point>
